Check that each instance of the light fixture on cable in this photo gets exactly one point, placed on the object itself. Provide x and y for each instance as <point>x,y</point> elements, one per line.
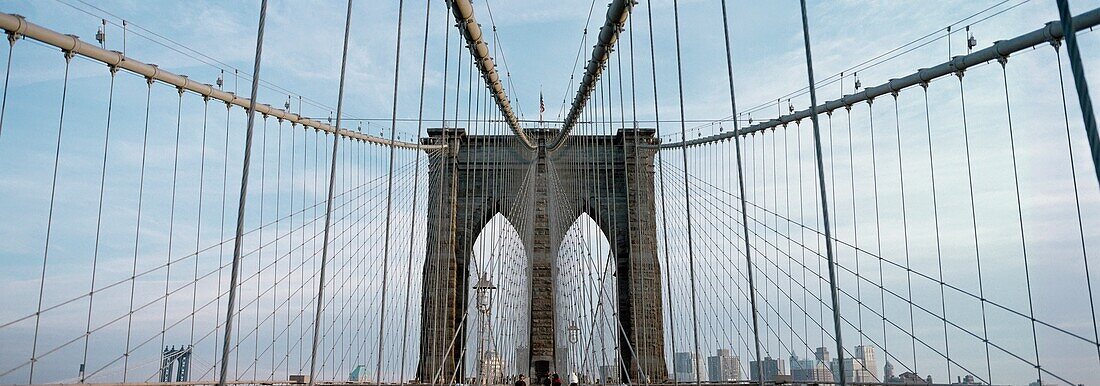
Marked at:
<point>971,41</point>
<point>101,35</point>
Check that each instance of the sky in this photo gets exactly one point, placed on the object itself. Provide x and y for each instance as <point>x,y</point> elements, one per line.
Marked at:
<point>540,46</point>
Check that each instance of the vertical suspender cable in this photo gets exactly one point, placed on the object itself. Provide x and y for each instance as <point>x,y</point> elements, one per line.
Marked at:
<point>1075,65</point>
<point>415,192</point>
<point>936,223</point>
<point>319,304</point>
<point>1077,200</point>
<point>687,188</point>
<point>221,225</point>
<point>99,219</point>
<point>904,233</point>
<point>661,176</point>
<point>137,226</point>
<point>824,198</point>
<point>7,75</point>
<point>973,227</point>
<point>171,226</point>
<point>1020,214</point>
<point>49,218</point>
<point>389,193</point>
<point>741,189</point>
<point>198,218</point>
<point>237,240</point>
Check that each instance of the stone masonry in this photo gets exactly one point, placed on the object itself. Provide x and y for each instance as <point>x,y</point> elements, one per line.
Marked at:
<point>608,177</point>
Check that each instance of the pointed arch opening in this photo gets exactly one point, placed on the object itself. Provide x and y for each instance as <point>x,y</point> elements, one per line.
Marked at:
<point>587,331</point>
<point>497,302</point>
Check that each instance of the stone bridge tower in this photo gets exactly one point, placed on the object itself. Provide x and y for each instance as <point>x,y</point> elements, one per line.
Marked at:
<point>608,177</point>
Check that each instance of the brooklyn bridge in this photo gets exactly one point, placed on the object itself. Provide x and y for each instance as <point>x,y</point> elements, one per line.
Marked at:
<point>721,192</point>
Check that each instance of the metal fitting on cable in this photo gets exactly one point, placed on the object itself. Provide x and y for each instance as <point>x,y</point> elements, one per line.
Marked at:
<point>101,35</point>
<point>971,42</point>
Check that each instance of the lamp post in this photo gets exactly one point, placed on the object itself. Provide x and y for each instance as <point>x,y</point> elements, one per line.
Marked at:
<point>484,305</point>
<point>574,336</point>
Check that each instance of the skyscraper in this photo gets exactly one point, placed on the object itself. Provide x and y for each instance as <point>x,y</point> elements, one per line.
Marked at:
<point>723,367</point>
<point>856,369</point>
<point>810,370</point>
<point>686,365</point>
<point>493,367</point>
<point>771,367</point>
<point>866,354</point>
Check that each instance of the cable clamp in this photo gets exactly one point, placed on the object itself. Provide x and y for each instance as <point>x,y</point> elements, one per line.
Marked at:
<point>1002,58</point>
<point>149,79</point>
<point>76,42</point>
<point>179,88</point>
<point>20,30</point>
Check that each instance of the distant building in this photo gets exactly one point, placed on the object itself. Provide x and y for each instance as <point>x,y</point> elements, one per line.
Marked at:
<point>866,354</point>
<point>857,369</point>
<point>888,373</point>
<point>772,368</point>
<point>822,355</point>
<point>809,370</point>
<point>967,380</point>
<point>854,371</point>
<point>686,365</point>
<point>911,378</point>
<point>723,367</point>
<point>494,367</point>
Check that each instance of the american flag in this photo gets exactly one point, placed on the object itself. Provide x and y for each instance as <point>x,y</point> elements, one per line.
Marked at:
<point>542,106</point>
